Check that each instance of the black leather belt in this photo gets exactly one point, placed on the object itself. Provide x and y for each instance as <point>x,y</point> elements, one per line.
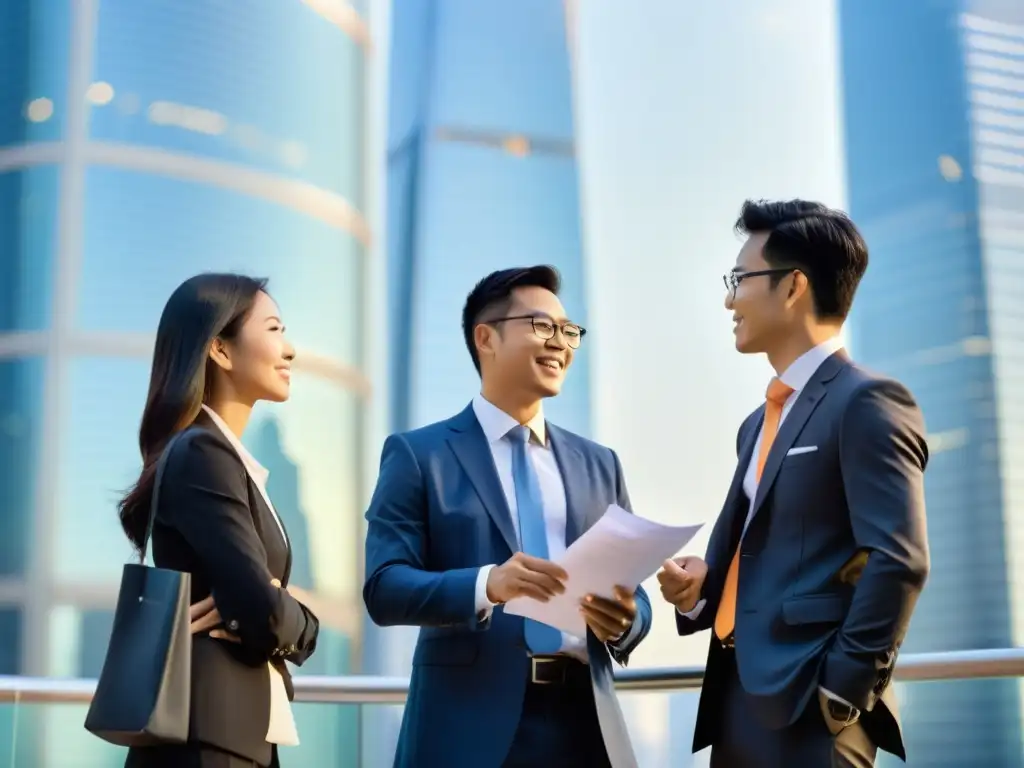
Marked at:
<point>555,670</point>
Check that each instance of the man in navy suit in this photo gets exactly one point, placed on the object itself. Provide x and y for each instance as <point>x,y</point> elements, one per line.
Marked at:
<point>469,513</point>
<point>817,560</point>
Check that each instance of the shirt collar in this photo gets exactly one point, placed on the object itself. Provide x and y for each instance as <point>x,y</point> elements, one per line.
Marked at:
<point>496,423</point>
<point>804,367</point>
<point>257,471</point>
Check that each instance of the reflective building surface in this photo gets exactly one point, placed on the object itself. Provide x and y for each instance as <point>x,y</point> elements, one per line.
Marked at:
<point>934,111</point>
<point>482,175</point>
<point>141,143</point>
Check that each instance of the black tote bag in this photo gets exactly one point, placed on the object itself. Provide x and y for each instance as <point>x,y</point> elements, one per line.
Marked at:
<point>143,695</point>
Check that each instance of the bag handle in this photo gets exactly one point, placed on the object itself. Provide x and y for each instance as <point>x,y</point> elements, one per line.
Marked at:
<point>161,465</point>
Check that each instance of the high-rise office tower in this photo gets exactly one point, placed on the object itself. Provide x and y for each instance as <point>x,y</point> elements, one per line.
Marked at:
<point>482,175</point>
<point>141,143</point>
<point>933,96</point>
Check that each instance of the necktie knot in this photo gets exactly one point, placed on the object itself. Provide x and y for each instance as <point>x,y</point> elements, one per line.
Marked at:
<point>778,392</point>
<point>519,434</point>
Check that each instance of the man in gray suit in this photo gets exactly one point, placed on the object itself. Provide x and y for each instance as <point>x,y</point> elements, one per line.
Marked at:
<point>820,552</point>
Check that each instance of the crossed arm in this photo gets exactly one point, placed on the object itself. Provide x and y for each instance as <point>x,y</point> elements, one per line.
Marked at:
<point>205,498</point>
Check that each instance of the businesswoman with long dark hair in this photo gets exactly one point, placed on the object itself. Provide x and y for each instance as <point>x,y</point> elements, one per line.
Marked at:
<point>220,347</point>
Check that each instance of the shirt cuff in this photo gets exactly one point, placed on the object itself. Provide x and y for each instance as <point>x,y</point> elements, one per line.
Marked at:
<point>624,640</point>
<point>484,607</point>
<point>829,695</point>
<point>695,613</point>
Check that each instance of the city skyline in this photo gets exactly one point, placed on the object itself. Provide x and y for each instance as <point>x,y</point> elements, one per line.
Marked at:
<point>670,127</point>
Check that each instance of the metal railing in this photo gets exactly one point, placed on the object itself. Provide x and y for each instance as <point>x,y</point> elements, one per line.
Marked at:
<point>368,689</point>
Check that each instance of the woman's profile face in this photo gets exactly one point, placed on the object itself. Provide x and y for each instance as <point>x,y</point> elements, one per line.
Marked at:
<point>259,358</point>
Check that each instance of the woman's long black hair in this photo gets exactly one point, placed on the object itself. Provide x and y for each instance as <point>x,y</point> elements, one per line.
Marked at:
<point>203,308</point>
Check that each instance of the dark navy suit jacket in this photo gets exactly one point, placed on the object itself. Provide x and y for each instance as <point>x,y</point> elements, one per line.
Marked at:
<point>438,514</point>
<point>799,622</point>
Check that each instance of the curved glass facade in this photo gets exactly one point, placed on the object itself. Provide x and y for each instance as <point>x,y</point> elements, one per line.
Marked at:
<point>267,86</point>
<point>141,144</point>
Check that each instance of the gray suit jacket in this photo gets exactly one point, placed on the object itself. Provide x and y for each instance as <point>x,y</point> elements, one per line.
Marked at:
<point>802,620</point>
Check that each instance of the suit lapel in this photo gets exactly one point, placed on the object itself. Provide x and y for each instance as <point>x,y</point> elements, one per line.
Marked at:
<point>807,401</point>
<point>268,529</point>
<point>470,447</point>
<point>746,454</point>
<point>570,464</point>
<point>277,528</point>
<point>735,510</point>
<point>263,517</point>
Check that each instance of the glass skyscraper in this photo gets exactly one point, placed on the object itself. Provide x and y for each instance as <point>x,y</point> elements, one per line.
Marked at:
<point>141,143</point>
<point>934,114</point>
<point>482,175</point>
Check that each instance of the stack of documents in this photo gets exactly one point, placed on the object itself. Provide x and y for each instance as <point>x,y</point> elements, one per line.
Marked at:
<point>620,549</point>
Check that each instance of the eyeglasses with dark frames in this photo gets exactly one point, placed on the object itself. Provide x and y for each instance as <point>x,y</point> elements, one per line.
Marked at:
<point>545,328</point>
<point>732,280</point>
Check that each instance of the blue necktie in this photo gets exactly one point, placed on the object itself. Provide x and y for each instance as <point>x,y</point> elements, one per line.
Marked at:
<point>540,638</point>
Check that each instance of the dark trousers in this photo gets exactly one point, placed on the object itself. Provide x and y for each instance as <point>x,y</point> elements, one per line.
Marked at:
<point>558,727</point>
<point>744,743</point>
<point>189,756</point>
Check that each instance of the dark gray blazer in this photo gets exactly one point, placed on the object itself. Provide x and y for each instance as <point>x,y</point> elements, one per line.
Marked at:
<point>212,522</point>
<point>798,623</point>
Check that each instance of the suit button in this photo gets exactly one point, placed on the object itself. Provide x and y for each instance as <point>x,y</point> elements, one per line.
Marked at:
<point>233,625</point>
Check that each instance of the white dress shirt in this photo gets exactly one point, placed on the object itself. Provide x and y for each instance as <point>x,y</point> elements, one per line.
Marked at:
<point>281,729</point>
<point>796,377</point>
<point>496,424</point>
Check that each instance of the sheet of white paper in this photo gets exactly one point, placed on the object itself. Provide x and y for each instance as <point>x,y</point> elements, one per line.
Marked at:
<point>619,549</point>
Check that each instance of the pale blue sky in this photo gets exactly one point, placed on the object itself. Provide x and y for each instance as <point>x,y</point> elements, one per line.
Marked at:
<point>684,110</point>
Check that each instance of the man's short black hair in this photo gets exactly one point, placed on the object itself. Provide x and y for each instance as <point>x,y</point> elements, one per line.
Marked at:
<point>491,298</point>
<point>821,242</point>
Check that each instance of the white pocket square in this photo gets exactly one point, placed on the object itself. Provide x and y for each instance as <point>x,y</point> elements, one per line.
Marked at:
<point>801,449</point>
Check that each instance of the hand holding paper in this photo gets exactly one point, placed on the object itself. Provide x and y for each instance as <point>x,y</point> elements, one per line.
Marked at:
<point>525,576</point>
<point>609,618</point>
<point>621,549</point>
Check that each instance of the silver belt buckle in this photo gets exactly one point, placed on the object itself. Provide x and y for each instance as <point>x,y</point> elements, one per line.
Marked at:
<point>536,662</point>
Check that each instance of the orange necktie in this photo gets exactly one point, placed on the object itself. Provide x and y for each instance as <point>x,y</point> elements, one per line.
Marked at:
<point>775,399</point>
